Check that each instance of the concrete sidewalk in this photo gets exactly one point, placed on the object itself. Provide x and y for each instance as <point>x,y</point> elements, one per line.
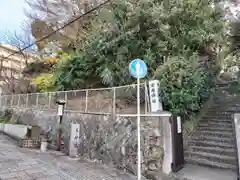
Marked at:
<point>24,164</point>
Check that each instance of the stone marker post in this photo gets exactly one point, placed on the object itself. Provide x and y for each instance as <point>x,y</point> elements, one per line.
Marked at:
<point>164,117</point>
<point>74,140</point>
<point>167,144</point>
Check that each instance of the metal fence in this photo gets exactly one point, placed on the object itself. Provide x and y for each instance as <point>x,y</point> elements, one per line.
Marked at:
<point>117,100</point>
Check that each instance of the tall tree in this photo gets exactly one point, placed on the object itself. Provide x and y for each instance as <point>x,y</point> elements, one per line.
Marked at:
<point>52,14</point>
<point>171,36</point>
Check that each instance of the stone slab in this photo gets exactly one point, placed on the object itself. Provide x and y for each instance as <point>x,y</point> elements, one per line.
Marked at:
<point>74,140</point>
<point>193,172</point>
<point>14,130</point>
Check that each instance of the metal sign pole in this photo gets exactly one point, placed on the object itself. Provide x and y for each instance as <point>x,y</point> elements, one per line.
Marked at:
<point>138,123</point>
<point>138,69</point>
<point>60,114</point>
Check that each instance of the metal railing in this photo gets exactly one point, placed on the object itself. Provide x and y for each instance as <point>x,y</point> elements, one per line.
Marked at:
<point>116,100</point>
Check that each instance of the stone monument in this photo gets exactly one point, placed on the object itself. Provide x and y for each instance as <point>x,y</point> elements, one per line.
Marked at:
<point>74,140</point>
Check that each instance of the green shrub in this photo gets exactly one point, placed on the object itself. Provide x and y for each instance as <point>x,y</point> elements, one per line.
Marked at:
<point>45,82</point>
<point>169,36</point>
<point>185,85</point>
<point>4,121</point>
<point>7,114</point>
<point>38,66</point>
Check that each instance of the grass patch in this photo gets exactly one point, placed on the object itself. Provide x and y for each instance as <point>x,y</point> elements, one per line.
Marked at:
<point>4,121</point>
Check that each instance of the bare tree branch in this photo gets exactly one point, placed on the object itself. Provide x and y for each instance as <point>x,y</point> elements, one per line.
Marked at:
<point>55,13</point>
<point>12,66</point>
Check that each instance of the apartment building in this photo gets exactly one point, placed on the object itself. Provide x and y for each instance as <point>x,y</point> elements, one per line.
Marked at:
<point>11,66</point>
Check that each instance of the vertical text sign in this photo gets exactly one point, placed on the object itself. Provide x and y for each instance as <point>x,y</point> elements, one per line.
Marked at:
<point>74,139</point>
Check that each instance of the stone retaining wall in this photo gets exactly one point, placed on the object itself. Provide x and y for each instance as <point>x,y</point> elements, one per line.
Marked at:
<point>112,140</point>
<point>237,132</point>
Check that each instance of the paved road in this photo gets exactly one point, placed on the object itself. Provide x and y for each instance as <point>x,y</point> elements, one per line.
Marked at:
<point>24,164</point>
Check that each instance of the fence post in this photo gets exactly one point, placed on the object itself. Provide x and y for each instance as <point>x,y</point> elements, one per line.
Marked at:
<point>114,101</point>
<point>86,101</point>
<point>2,101</point>
<point>146,97</point>
<point>11,100</point>
<point>27,100</point>
<point>49,100</point>
<point>1,97</point>
<point>6,100</point>
<point>18,103</point>
<point>65,98</point>
<point>37,99</point>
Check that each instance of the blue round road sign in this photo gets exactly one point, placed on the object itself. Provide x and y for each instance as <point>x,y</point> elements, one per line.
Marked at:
<point>142,68</point>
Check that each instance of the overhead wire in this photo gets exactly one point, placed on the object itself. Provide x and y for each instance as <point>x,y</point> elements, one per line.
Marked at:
<point>55,31</point>
<point>60,28</point>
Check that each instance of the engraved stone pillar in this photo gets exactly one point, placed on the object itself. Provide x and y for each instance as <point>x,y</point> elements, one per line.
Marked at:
<point>74,140</point>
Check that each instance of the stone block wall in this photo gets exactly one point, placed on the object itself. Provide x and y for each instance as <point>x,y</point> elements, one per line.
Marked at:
<point>237,132</point>
<point>112,140</point>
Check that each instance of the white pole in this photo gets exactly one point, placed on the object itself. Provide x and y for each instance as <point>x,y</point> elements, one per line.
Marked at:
<point>138,123</point>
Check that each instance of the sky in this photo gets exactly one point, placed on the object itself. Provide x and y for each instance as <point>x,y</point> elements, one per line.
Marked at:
<point>11,15</point>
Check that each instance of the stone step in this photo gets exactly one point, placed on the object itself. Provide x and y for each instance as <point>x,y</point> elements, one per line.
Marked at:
<point>216,125</point>
<point>222,100</point>
<point>226,103</point>
<point>214,139</point>
<point>218,111</point>
<point>223,104</point>
<point>215,120</point>
<point>214,134</point>
<point>214,150</point>
<point>216,116</point>
<point>211,164</point>
<point>212,144</point>
<point>232,99</point>
<point>214,112</point>
<point>215,158</point>
<point>214,129</point>
<point>233,109</point>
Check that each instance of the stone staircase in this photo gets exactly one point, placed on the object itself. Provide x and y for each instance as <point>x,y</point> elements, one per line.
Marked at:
<point>213,144</point>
